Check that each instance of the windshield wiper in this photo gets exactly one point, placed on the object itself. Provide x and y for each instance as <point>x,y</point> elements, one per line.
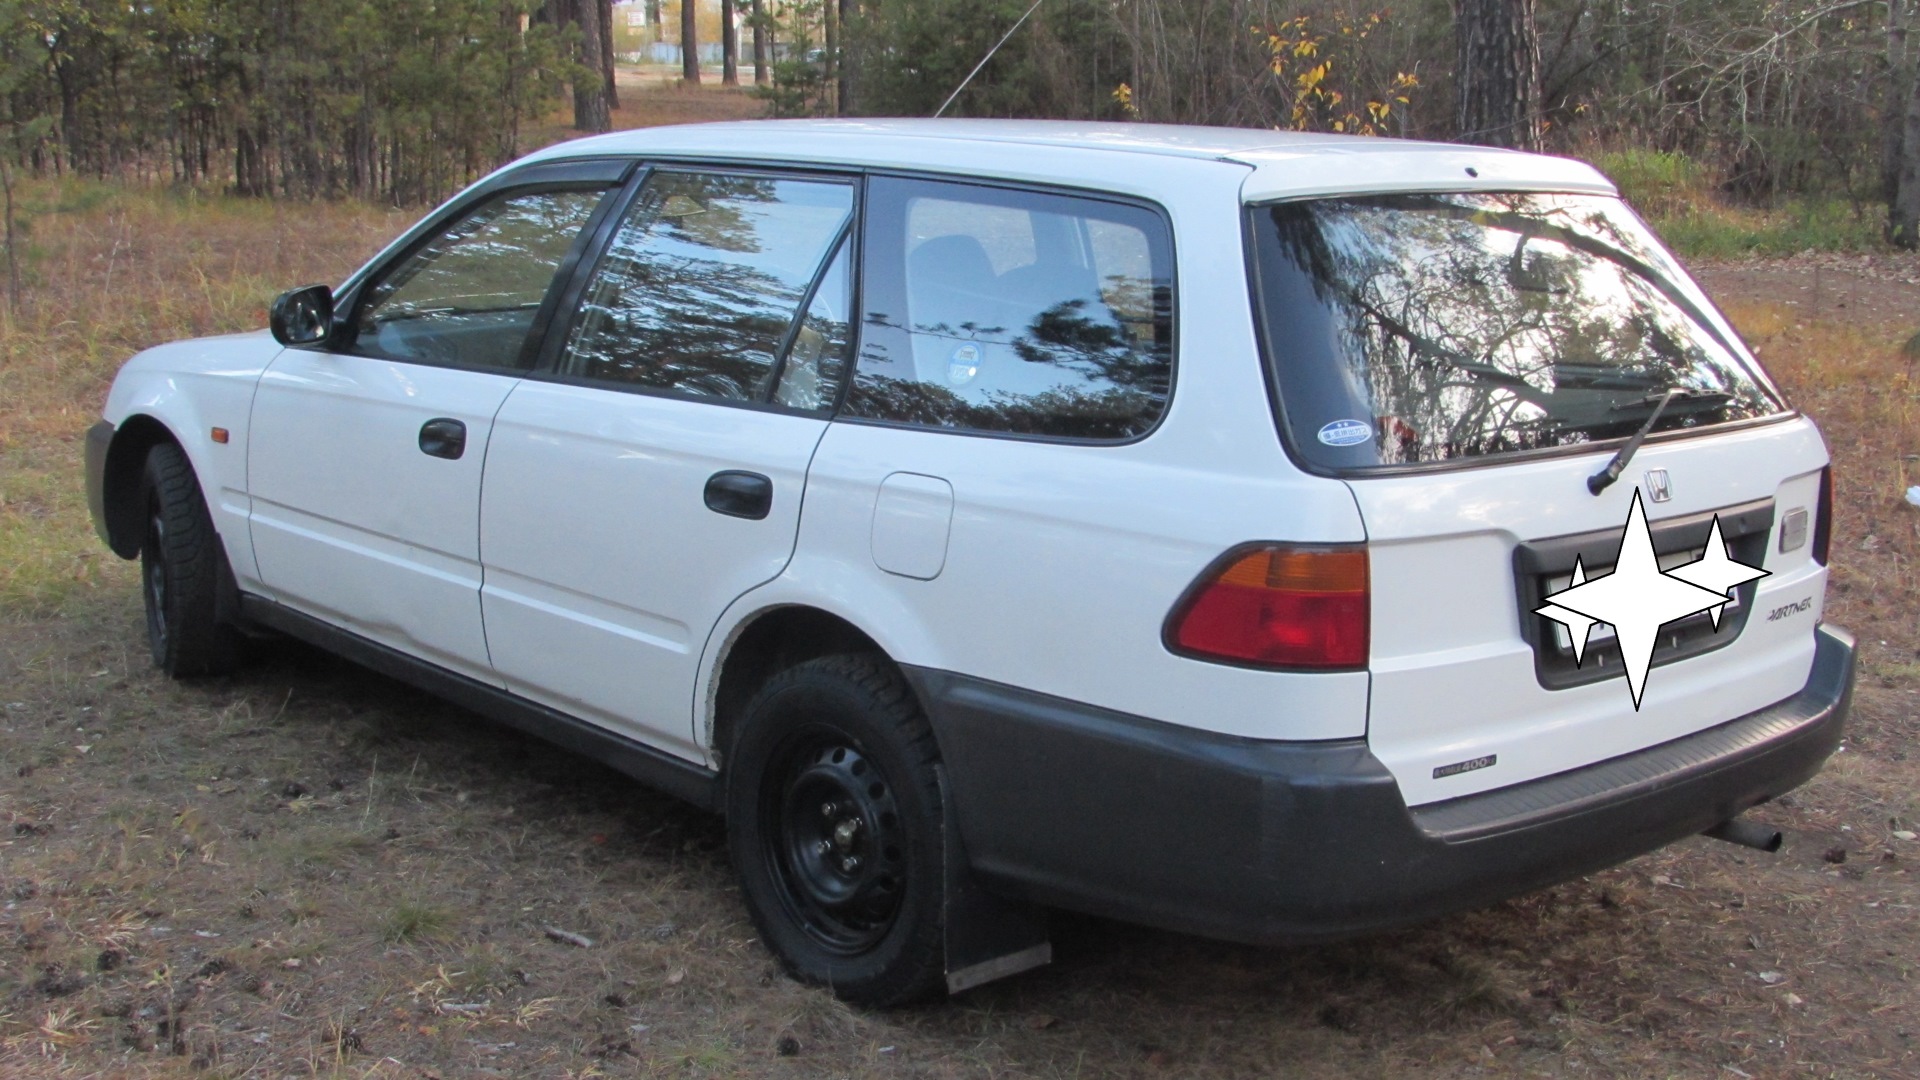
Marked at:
<point>1678,393</point>
<point>1604,479</point>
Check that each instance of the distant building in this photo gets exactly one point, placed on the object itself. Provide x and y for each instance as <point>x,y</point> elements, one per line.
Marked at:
<point>648,31</point>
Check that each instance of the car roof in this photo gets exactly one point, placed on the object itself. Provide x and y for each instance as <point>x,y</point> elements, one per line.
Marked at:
<point>1283,164</point>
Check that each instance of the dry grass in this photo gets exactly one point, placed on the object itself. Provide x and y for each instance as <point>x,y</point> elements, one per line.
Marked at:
<point>1853,379</point>
<point>111,271</point>
<point>306,870</point>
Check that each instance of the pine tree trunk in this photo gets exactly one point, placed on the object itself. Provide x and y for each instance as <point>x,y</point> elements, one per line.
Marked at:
<point>759,44</point>
<point>606,52</point>
<point>1496,73</point>
<point>849,9</point>
<point>690,42</point>
<point>831,18</point>
<point>1903,209</point>
<point>246,165</point>
<point>1897,143</point>
<point>1892,115</point>
<point>729,46</point>
<point>13,259</point>
<point>590,88</point>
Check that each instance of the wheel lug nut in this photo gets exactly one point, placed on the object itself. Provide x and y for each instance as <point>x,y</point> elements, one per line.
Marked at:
<point>850,863</point>
<point>824,847</point>
<point>828,809</point>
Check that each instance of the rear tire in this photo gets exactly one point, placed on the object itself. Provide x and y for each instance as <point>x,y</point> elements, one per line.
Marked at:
<point>834,820</point>
<point>180,569</point>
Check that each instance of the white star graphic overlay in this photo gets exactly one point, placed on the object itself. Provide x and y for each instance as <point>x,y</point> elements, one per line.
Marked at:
<point>1637,599</point>
<point>1577,625</point>
<point>1716,571</point>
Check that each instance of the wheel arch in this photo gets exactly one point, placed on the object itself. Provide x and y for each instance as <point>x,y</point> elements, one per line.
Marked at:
<point>133,440</point>
<point>765,643</point>
<point>983,935</point>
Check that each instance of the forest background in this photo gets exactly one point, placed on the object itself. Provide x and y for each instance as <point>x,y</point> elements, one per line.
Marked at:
<point>1809,106</point>
<point>306,871</point>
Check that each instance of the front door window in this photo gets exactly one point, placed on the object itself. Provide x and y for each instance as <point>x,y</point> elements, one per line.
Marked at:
<point>468,297</point>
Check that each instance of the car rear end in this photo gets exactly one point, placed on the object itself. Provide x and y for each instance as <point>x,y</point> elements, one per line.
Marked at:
<point>1467,361</point>
<point>1496,350</point>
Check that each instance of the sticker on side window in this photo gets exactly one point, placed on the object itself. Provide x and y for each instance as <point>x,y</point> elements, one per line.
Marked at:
<point>963,365</point>
<point>1345,432</point>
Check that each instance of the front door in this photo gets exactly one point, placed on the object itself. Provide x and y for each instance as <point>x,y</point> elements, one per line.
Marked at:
<point>364,461</point>
<point>657,475</point>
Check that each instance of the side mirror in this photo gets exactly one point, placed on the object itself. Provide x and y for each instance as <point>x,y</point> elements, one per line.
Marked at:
<point>302,316</point>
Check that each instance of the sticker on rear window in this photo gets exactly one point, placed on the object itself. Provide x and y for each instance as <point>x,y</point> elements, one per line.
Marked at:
<point>1346,432</point>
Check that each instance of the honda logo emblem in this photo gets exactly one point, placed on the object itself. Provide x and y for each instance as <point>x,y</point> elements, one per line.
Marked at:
<point>1659,487</point>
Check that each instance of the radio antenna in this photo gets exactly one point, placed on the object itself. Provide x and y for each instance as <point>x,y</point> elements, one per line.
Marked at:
<point>983,60</point>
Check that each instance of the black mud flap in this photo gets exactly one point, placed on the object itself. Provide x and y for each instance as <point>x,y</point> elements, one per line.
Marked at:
<point>988,936</point>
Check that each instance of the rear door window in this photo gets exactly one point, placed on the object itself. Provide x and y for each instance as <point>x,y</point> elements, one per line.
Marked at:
<point>1017,312</point>
<point>1414,329</point>
<point>710,284</point>
<point>815,363</point>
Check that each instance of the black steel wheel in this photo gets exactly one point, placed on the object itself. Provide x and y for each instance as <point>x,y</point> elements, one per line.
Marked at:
<point>839,853</point>
<point>833,807</point>
<point>180,566</point>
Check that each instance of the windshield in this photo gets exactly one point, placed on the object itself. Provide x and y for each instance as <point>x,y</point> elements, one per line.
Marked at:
<point>1408,329</point>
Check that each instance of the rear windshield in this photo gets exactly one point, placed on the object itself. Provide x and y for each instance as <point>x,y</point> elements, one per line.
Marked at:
<point>1409,329</point>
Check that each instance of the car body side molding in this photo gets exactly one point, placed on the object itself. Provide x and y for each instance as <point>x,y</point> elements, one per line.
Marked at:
<point>682,779</point>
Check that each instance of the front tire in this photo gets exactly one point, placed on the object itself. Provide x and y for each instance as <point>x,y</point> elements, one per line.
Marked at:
<point>834,820</point>
<point>180,565</point>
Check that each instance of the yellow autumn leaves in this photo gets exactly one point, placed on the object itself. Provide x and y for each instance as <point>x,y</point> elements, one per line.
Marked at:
<point>1319,72</point>
<point>1305,59</point>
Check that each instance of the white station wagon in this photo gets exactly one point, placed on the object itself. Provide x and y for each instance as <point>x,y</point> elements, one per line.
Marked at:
<point>994,516</point>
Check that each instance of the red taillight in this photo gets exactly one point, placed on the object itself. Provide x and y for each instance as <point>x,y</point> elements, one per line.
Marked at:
<point>1823,517</point>
<point>1278,606</point>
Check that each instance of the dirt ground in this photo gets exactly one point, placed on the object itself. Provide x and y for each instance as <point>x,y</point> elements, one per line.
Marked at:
<point>308,870</point>
<point>1881,290</point>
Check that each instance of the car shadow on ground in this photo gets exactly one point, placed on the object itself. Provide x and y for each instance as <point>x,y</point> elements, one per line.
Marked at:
<point>1455,971</point>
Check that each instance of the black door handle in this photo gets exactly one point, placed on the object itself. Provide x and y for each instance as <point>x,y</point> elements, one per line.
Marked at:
<point>443,437</point>
<point>740,494</point>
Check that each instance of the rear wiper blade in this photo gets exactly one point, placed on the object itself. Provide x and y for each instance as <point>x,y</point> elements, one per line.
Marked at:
<point>1678,393</point>
<point>1604,479</point>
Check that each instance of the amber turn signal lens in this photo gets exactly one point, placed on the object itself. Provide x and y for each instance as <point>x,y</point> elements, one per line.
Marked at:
<point>220,435</point>
<point>1278,606</point>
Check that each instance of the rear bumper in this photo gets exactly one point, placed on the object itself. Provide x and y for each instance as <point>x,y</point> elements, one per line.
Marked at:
<point>99,439</point>
<point>1270,842</point>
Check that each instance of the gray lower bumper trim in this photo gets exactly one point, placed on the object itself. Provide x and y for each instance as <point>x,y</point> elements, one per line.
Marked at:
<point>1063,804</point>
